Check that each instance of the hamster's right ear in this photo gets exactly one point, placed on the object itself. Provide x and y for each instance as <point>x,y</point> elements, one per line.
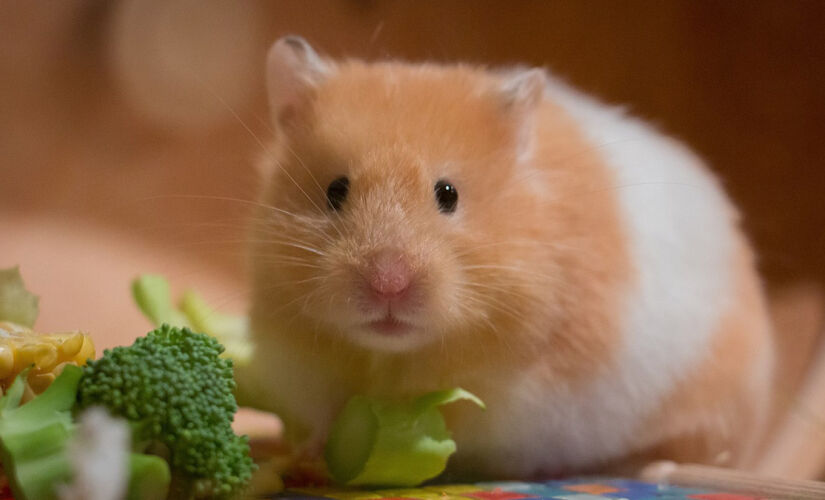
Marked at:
<point>293,71</point>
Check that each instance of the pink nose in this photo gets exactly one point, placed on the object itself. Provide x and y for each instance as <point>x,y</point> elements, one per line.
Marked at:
<point>389,274</point>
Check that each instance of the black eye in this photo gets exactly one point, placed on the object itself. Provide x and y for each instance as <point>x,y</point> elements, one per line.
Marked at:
<point>337,192</point>
<point>446,196</point>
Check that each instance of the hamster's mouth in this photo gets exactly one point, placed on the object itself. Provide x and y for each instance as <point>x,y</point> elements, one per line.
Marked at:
<point>390,325</point>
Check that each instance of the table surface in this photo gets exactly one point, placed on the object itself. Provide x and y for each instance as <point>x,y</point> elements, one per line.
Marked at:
<point>568,489</point>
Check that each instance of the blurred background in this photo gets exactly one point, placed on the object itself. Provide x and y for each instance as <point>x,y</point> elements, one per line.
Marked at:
<point>129,129</point>
<point>122,123</point>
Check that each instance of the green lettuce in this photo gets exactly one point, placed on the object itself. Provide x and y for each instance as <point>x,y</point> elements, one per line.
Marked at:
<point>153,297</point>
<point>392,443</point>
<point>17,305</point>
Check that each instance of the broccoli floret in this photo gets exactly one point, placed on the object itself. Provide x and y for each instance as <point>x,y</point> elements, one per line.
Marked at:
<point>176,391</point>
<point>35,437</point>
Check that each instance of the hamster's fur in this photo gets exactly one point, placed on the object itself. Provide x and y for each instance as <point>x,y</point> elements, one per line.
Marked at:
<point>592,285</point>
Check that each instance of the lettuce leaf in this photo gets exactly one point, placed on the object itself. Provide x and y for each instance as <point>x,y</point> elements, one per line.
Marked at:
<point>392,443</point>
<point>151,292</point>
<point>152,295</point>
<point>17,305</point>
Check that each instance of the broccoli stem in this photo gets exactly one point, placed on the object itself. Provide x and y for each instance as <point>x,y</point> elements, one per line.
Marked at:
<point>149,477</point>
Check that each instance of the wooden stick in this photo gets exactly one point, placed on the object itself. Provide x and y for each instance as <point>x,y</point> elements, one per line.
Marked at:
<point>732,481</point>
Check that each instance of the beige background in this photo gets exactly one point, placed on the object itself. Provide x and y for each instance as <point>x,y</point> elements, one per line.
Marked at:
<point>121,123</point>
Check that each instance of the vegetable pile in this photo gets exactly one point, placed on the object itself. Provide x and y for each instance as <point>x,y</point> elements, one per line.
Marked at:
<point>172,389</point>
<point>157,415</point>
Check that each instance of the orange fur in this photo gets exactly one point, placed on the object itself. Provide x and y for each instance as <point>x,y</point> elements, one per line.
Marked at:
<point>375,122</point>
<point>527,277</point>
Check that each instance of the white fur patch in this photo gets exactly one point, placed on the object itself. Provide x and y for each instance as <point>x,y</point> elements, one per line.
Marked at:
<point>679,227</point>
<point>679,224</point>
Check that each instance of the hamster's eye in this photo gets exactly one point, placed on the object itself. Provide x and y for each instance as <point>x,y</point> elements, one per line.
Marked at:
<point>446,196</point>
<point>337,192</point>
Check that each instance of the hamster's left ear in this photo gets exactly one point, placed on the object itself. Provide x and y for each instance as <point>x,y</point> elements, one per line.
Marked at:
<point>522,93</point>
<point>293,71</point>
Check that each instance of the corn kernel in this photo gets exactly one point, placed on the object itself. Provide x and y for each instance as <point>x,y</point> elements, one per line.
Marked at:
<point>39,382</point>
<point>24,356</point>
<point>87,351</point>
<point>45,357</point>
<point>6,360</point>
<point>70,345</point>
<point>28,394</point>
<point>21,348</point>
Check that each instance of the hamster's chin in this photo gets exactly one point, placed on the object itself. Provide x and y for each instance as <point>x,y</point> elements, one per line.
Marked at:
<point>389,335</point>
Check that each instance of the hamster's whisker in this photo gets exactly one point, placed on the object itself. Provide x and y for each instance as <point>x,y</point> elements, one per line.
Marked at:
<point>306,280</point>
<point>495,304</point>
<point>513,242</point>
<point>500,288</point>
<point>288,263</point>
<point>310,296</point>
<point>233,224</point>
<point>293,243</point>
<point>302,247</point>
<point>309,223</point>
<point>272,237</point>
<point>493,328</point>
<point>264,122</point>
<point>493,266</point>
<point>505,279</point>
<point>314,222</point>
<point>481,287</point>
<point>206,86</point>
<point>322,191</point>
<point>297,185</point>
<point>308,229</point>
<point>291,284</point>
<point>280,307</point>
<point>303,165</point>
<point>284,242</point>
<point>241,201</point>
<point>468,309</point>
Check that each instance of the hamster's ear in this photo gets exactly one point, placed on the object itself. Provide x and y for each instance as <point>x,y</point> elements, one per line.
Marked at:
<point>522,93</point>
<point>524,90</point>
<point>293,71</point>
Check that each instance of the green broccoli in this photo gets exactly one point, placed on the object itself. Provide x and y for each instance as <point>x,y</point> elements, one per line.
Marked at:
<point>34,441</point>
<point>176,391</point>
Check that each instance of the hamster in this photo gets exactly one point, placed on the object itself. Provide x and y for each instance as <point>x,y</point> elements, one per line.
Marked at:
<point>427,226</point>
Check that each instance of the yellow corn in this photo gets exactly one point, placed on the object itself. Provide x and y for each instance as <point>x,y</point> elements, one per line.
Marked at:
<point>40,381</point>
<point>71,345</point>
<point>46,354</point>
<point>6,360</point>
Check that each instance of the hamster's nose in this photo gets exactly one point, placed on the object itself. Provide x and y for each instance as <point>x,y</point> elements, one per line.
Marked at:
<point>389,274</point>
